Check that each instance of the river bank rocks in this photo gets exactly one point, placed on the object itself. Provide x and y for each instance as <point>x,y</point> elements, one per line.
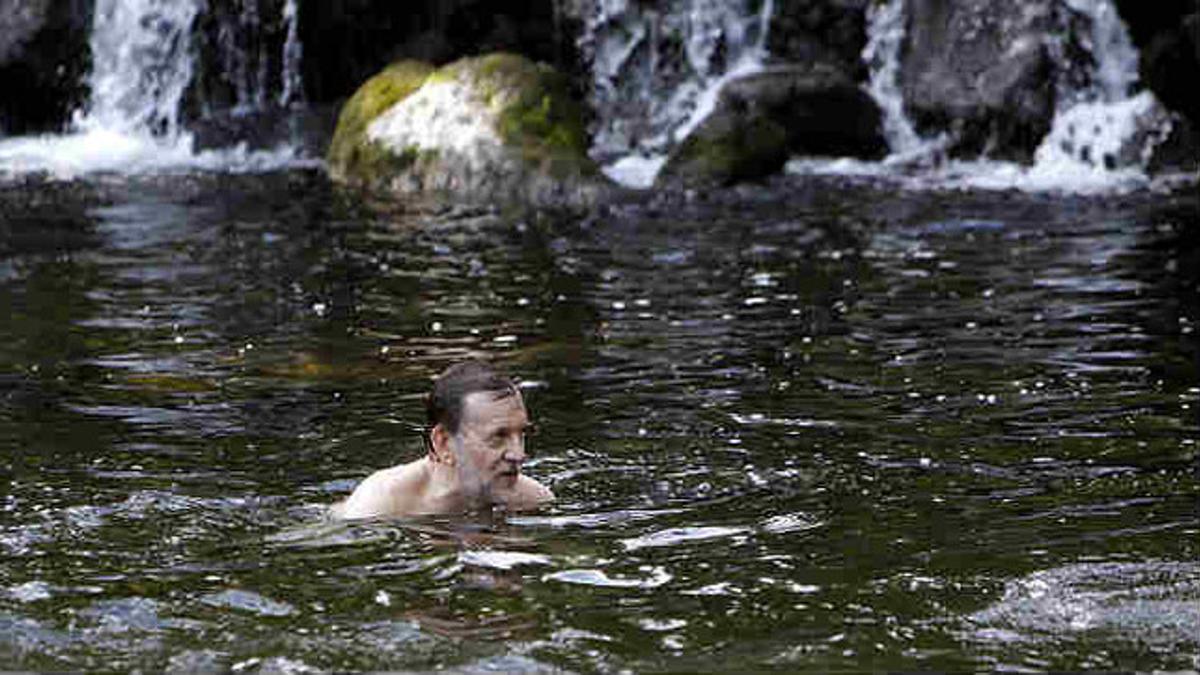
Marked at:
<point>762,119</point>
<point>1167,35</point>
<point>981,70</point>
<point>44,59</point>
<point>821,31</point>
<point>492,128</point>
<point>345,42</point>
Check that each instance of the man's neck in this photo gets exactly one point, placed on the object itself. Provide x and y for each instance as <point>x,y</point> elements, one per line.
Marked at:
<point>444,489</point>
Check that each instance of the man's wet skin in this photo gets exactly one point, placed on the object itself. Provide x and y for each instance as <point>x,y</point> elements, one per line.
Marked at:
<point>474,459</point>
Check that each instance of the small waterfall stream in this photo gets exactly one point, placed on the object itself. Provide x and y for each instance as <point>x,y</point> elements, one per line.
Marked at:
<point>1101,136</point>
<point>144,61</point>
<point>656,72</point>
<point>141,66</point>
<point>163,69</point>
<point>1104,127</point>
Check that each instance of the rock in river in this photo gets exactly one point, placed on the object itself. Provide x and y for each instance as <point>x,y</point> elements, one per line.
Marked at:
<point>763,118</point>
<point>983,69</point>
<point>492,128</point>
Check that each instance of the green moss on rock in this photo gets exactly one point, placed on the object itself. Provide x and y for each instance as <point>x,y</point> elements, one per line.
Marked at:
<point>743,149</point>
<point>541,141</point>
<point>350,152</point>
<point>533,105</point>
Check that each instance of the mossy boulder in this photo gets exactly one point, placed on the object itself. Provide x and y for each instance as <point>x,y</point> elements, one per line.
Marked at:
<point>495,127</point>
<point>729,149</point>
<point>349,153</point>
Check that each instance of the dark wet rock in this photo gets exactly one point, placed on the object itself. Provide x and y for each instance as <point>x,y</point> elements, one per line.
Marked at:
<point>346,42</point>
<point>239,49</point>
<point>1167,34</point>
<point>1179,151</point>
<point>493,128</point>
<point>44,60</point>
<point>762,119</point>
<point>983,70</point>
<point>821,31</point>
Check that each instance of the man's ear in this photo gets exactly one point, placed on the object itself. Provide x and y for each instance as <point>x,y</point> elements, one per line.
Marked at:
<point>439,445</point>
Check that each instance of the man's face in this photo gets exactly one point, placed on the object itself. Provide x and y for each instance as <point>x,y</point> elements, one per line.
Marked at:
<point>490,444</point>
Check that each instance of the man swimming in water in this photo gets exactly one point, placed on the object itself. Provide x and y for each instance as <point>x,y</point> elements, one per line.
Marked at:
<point>475,448</point>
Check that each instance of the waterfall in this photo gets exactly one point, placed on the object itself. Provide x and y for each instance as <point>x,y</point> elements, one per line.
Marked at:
<point>141,66</point>
<point>292,91</point>
<point>144,61</point>
<point>258,53</point>
<point>1102,134</point>
<point>1102,125</point>
<point>657,69</point>
<point>885,36</point>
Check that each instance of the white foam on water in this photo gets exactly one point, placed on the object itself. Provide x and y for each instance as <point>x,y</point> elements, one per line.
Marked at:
<point>635,171</point>
<point>993,175</point>
<point>108,151</point>
<point>502,560</point>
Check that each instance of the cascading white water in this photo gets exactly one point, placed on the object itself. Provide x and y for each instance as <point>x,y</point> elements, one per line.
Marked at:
<point>143,62</point>
<point>140,66</point>
<point>1103,126</point>
<point>246,41</point>
<point>656,72</point>
<point>1101,137</point>
<point>292,91</point>
<point>885,35</point>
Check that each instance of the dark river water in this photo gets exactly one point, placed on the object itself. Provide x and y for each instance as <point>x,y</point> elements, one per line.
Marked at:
<point>813,425</point>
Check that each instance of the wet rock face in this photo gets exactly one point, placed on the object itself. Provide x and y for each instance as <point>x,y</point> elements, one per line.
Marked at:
<point>762,119</point>
<point>1167,34</point>
<point>821,31</point>
<point>983,70</point>
<point>44,60</point>
<point>496,128</point>
<point>345,42</point>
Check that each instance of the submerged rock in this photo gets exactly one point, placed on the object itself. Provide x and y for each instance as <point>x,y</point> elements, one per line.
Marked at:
<point>496,127</point>
<point>763,118</point>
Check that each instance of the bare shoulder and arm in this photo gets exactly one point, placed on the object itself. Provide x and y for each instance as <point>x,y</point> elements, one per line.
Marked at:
<point>530,494</point>
<point>395,491</point>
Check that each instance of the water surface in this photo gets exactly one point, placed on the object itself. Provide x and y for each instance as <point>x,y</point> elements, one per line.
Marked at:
<point>816,424</point>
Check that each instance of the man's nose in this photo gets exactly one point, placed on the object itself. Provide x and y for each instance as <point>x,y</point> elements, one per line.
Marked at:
<point>515,451</point>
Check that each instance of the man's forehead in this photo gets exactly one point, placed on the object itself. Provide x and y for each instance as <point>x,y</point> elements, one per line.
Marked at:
<point>485,404</point>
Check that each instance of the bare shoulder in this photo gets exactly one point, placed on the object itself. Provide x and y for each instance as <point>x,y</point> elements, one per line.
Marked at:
<point>531,494</point>
<point>387,492</point>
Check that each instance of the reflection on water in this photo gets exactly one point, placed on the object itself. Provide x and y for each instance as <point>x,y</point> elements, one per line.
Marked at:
<point>810,425</point>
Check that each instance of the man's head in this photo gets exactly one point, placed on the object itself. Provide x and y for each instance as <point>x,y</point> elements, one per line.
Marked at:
<point>477,424</point>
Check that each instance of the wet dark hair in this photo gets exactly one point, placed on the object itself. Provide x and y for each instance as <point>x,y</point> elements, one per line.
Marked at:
<point>444,405</point>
